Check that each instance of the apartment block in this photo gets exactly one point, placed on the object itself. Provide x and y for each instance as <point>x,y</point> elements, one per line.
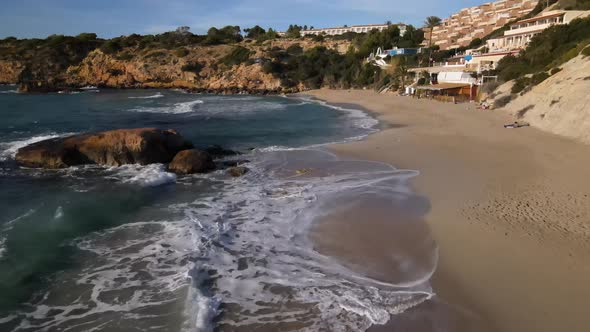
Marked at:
<point>476,22</point>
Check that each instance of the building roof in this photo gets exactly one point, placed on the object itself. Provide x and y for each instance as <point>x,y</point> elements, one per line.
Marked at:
<point>442,86</point>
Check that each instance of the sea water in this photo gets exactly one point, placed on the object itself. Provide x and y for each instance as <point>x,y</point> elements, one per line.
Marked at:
<point>136,248</point>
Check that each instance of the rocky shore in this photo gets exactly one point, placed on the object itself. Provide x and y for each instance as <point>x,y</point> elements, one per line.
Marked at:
<point>142,146</point>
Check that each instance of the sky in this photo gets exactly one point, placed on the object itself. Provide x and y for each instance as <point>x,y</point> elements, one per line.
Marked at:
<point>112,18</point>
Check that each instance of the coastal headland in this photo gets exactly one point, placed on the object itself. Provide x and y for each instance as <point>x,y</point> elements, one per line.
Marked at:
<point>509,209</point>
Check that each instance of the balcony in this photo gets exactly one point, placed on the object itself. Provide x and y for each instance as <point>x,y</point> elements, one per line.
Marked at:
<point>527,29</point>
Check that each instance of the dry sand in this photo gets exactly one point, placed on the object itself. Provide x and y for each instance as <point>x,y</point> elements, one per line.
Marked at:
<point>510,209</point>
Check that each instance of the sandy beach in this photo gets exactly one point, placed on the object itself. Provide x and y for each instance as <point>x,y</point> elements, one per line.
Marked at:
<point>509,210</point>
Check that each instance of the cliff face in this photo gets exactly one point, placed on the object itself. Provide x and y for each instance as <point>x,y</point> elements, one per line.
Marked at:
<point>560,104</point>
<point>161,68</point>
<point>10,71</point>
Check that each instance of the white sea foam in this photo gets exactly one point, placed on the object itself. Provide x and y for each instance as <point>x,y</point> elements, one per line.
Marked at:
<point>271,209</point>
<point>146,176</point>
<point>2,248</point>
<point>245,247</point>
<point>9,149</point>
<point>157,95</point>
<point>179,108</point>
<point>9,91</point>
<point>59,213</point>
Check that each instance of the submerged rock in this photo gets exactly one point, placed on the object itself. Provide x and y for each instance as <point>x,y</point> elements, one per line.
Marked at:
<point>191,162</point>
<point>234,163</point>
<point>238,171</point>
<point>217,151</point>
<point>112,148</point>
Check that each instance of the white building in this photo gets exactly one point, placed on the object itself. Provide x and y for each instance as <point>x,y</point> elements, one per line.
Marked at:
<point>353,28</point>
<point>521,32</point>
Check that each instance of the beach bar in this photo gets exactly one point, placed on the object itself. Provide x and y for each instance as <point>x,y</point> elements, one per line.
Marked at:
<point>449,92</point>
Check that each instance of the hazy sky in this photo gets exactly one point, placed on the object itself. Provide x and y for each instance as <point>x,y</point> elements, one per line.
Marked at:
<point>109,18</point>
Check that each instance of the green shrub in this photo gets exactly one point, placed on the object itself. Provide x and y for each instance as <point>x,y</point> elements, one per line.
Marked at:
<point>295,49</point>
<point>194,67</point>
<point>237,56</point>
<point>125,56</point>
<point>555,71</point>
<point>115,72</point>
<point>519,85</point>
<point>272,67</point>
<point>538,78</point>
<point>155,54</point>
<point>181,52</point>
<point>110,47</point>
<point>586,51</point>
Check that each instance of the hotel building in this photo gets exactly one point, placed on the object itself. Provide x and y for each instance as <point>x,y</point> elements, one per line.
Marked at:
<point>353,28</point>
<point>521,32</point>
<point>477,22</point>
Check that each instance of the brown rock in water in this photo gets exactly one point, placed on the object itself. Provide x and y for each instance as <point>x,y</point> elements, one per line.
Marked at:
<point>191,162</point>
<point>112,148</point>
<point>238,171</point>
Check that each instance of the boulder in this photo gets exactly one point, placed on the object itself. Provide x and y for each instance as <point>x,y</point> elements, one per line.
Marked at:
<point>191,162</point>
<point>237,171</point>
<point>111,148</point>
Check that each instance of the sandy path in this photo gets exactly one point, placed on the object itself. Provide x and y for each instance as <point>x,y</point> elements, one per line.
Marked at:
<point>510,208</point>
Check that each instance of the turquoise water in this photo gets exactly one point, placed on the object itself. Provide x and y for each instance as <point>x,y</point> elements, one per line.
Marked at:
<point>135,248</point>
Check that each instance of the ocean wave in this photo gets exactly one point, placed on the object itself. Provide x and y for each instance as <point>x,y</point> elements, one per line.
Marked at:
<point>146,176</point>
<point>9,149</point>
<point>243,247</point>
<point>179,108</point>
<point>360,119</point>
<point>271,210</point>
<point>130,271</point>
<point>157,95</point>
<point>9,91</point>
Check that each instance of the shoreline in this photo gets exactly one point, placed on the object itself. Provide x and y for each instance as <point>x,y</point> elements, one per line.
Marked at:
<point>508,208</point>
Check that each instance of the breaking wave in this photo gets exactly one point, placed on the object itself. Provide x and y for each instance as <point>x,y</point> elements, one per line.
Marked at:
<point>246,249</point>
<point>179,108</point>
<point>9,149</point>
<point>157,95</point>
<point>146,176</point>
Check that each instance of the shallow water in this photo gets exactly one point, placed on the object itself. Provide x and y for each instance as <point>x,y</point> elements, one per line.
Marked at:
<point>135,248</point>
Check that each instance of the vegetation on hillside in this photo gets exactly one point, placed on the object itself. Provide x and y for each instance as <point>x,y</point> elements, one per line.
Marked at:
<point>547,50</point>
<point>544,54</point>
<point>574,4</point>
<point>320,66</point>
<point>295,67</point>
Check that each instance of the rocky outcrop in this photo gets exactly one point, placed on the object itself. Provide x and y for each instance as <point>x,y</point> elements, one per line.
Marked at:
<point>10,71</point>
<point>237,171</point>
<point>112,148</point>
<point>201,69</point>
<point>191,162</point>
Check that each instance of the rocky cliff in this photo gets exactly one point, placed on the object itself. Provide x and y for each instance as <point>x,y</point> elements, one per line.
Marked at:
<point>201,68</point>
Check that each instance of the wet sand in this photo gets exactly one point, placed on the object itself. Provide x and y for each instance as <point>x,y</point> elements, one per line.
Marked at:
<point>510,213</point>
